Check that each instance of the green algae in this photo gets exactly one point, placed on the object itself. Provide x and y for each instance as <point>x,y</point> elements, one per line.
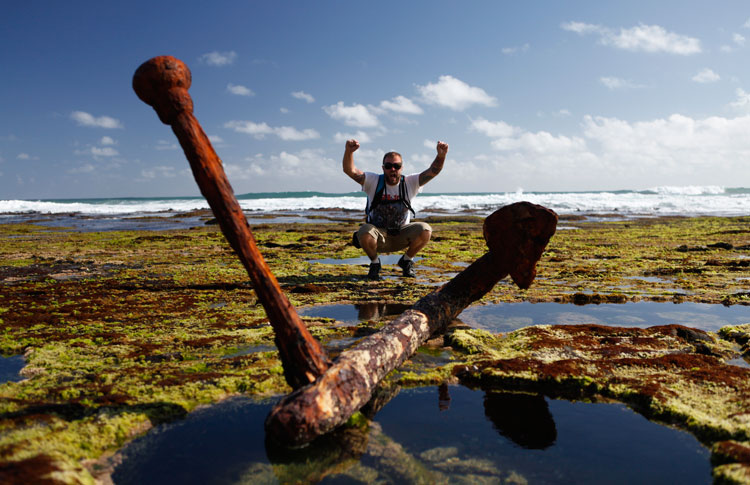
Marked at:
<point>125,330</point>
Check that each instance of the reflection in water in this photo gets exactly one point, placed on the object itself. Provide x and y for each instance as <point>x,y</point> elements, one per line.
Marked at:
<point>444,399</point>
<point>524,418</point>
<point>413,441</point>
<point>378,311</point>
<point>353,314</point>
<point>506,317</point>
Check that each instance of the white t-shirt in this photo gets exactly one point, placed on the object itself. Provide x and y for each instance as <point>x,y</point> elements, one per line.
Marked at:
<point>371,186</point>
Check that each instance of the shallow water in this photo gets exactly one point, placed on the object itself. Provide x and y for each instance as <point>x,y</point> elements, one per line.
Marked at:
<point>148,221</point>
<point>10,368</point>
<point>447,434</point>
<point>506,317</point>
<point>426,435</point>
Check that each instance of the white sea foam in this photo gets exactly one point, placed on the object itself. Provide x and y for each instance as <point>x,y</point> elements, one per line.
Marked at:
<point>689,201</point>
<point>688,190</point>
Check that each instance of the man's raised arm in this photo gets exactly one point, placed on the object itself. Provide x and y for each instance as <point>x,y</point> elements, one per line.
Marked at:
<point>353,172</point>
<point>437,164</point>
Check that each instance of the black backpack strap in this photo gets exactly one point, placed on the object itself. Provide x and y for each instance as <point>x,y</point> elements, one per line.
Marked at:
<point>403,195</point>
<point>377,197</point>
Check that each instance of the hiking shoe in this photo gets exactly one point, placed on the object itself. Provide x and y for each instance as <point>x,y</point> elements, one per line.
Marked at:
<point>408,267</point>
<point>374,273</point>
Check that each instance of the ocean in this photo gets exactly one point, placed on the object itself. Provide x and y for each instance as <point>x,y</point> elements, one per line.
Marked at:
<point>298,206</point>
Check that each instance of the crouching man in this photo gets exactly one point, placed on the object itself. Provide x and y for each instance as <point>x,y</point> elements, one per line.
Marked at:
<point>388,228</point>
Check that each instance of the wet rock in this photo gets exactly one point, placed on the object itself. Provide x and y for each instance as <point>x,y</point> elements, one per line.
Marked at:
<point>438,455</point>
<point>594,298</point>
<point>739,334</point>
<point>721,245</point>
<point>685,249</point>
<point>309,288</point>
<point>730,451</point>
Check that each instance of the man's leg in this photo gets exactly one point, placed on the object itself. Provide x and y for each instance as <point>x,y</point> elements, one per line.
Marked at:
<point>418,243</point>
<point>368,240</point>
<point>369,246</point>
<point>418,235</point>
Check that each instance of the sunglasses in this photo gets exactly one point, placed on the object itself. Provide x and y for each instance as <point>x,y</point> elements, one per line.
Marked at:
<point>389,165</point>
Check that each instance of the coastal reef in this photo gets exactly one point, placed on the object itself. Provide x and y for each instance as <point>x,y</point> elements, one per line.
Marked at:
<point>124,330</point>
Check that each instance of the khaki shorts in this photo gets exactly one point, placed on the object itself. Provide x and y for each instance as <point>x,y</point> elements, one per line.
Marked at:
<point>389,244</point>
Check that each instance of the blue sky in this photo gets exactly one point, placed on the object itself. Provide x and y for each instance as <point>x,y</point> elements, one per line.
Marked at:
<point>548,96</point>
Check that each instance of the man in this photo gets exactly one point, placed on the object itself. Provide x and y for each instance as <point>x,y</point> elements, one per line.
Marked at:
<point>387,227</point>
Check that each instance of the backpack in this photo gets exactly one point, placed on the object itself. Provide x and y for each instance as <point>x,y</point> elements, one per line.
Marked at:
<point>378,197</point>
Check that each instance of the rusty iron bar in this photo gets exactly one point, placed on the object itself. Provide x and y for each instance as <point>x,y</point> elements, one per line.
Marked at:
<point>163,82</point>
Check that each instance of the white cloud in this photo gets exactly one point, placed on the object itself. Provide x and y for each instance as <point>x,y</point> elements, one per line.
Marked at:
<point>617,83</point>
<point>706,76</point>
<point>166,145</point>
<point>360,136</point>
<point>582,28</point>
<point>541,142</point>
<point>216,58</point>
<point>284,110</point>
<point>674,143</point>
<point>402,104</point>
<point>455,94</point>
<point>97,152</point>
<point>292,134</point>
<point>355,115</point>
<point>310,167</point>
<point>509,51</point>
<point>104,152</point>
<point>85,168</point>
<point>510,138</point>
<point>158,172</point>
<point>493,129</point>
<point>260,130</point>
<point>742,103</point>
<point>23,156</point>
<point>647,38</point>
<point>215,139</point>
<point>561,113</point>
<point>303,96</point>
<point>86,119</point>
<point>239,90</point>
<point>738,39</point>
<point>611,153</point>
<point>429,143</point>
<point>107,140</point>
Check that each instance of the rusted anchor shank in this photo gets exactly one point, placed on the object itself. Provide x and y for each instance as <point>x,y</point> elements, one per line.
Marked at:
<point>163,82</point>
<point>516,236</point>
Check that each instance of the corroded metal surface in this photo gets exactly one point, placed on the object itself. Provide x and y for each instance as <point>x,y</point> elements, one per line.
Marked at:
<point>517,235</point>
<point>162,82</point>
